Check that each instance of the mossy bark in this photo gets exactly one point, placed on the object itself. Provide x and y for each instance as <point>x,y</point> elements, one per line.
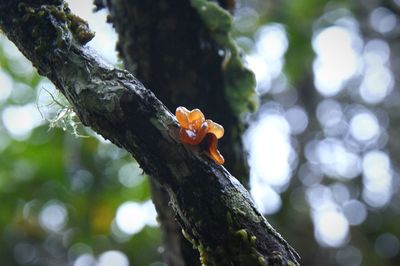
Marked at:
<point>211,205</point>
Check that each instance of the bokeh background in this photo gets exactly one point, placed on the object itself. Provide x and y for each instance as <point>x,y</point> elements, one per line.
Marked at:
<point>323,146</point>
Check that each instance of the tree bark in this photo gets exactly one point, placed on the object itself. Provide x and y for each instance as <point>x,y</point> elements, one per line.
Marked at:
<point>170,50</point>
<point>213,208</point>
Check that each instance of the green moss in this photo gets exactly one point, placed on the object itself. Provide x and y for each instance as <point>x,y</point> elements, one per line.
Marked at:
<point>243,234</point>
<point>253,240</point>
<point>53,26</point>
<point>80,29</point>
<point>240,248</point>
<point>205,256</point>
<point>190,239</point>
<point>261,261</point>
<point>205,252</point>
<point>215,18</point>
<point>239,81</point>
<point>240,206</point>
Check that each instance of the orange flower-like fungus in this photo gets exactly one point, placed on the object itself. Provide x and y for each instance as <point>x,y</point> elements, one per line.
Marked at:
<point>195,128</point>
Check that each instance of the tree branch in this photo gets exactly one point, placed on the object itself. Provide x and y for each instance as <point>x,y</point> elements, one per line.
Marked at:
<point>215,211</point>
<point>170,49</point>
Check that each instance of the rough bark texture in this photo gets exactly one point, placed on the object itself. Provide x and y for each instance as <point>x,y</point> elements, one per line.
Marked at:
<point>168,48</point>
<point>213,208</point>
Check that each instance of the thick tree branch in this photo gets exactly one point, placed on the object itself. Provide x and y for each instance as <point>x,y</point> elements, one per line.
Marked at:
<point>215,211</point>
<point>172,51</point>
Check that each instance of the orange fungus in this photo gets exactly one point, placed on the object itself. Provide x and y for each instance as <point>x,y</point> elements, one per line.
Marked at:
<point>196,129</point>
